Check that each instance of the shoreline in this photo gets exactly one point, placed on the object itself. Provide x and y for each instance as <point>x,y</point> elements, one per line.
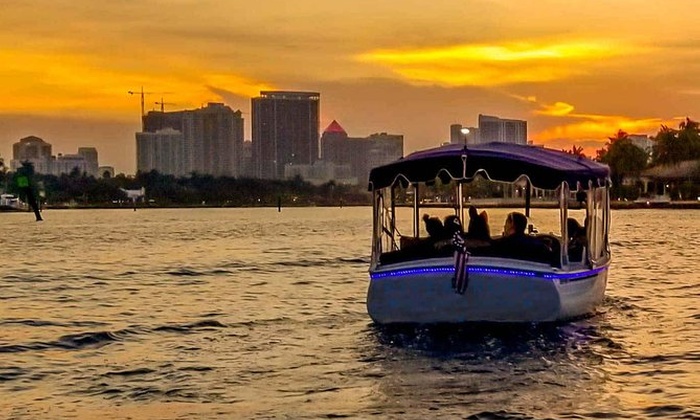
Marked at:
<point>614,205</point>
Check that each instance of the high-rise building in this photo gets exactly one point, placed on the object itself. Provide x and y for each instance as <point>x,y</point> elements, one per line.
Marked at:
<point>360,153</point>
<point>285,131</point>
<point>247,167</point>
<point>160,151</point>
<point>34,150</point>
<point>90,156</point>
<point>460,134</point>
<point>502,130</point>
<point>212,138</point>
<point>335,146</point>
<point>380,149</point>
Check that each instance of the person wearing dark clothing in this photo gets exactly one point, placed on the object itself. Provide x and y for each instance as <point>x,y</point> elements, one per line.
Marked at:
<point>433,226</point>
<point>27,192</point>
<point>576,239</point>
<point>452,225</point>
<point>515,243</point>
<point>478,225</point>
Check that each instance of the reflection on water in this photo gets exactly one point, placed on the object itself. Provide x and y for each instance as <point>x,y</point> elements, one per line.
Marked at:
<point>487,368</point>
<point>250,313</point>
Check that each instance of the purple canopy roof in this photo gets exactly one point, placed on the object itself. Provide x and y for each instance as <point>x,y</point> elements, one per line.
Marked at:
<point>546,168</point>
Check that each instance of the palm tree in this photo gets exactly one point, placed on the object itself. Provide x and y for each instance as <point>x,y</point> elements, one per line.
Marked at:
<point>576,151</point>
<point>673,146</point>
<point>624,158</point>
<point>620,136</point>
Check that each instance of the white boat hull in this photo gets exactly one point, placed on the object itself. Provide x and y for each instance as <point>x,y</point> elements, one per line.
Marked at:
<point>499,290</point>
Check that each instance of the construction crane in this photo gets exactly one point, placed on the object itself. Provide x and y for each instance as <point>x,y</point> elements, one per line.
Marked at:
<point>162,104</point>
<point>143,96</point>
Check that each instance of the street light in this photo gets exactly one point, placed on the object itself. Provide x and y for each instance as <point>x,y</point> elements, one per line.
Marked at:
<point>464,131</point>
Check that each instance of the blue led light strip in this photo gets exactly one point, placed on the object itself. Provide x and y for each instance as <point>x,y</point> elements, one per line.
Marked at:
<point>580,275</point>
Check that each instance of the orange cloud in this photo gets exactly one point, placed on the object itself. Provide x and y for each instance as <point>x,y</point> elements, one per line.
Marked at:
<point>592,131</point>
<point>495,65</point>
<point>52,83</point>
<point>558,109</point>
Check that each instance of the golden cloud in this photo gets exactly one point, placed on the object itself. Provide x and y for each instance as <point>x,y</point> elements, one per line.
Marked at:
<point>52,83</point>
<point>558,109</point>
<point>494,65</point>
<point>237,84</point>
<point>599,127</point>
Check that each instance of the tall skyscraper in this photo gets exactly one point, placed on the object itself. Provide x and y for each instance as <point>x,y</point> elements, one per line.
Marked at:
<point>285,131</point>
<point>212,138</point>
<point>502,130</point>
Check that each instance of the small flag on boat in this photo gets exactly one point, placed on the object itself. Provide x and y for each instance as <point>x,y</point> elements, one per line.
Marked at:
<point>460,281</point>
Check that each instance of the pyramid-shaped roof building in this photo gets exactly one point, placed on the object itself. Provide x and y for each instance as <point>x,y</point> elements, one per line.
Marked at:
<point>335,128</point>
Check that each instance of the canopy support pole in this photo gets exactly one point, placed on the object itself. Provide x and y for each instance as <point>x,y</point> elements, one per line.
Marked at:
<point>528,196</point>
<point>416,218</point>
<point>460,200</point>
<point>564,215</point>
<point>393,215</point>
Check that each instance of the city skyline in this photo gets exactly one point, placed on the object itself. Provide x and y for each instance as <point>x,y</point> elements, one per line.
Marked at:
<point>575,71</point>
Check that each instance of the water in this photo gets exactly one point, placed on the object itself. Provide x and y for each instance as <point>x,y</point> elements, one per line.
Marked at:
<point>251,313</point>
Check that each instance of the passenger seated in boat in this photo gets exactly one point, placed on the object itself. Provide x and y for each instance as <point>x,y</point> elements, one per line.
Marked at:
<point>478,225</point>
<point>436,232</point>
<point>577,239</point>
<point>434,227</point>
<point>452,225</point>
<point>515,243</point>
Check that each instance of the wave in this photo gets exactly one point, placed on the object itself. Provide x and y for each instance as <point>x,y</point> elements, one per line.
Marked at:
<point>45,323</point>
<point>498,415</point>
<point>332,262</point>
<point>130,372</point>
<point>208,324</point>
<point>77,341</point>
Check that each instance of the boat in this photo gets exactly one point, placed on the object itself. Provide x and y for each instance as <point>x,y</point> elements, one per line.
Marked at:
<point>10,202</point>
<point>418,279</point>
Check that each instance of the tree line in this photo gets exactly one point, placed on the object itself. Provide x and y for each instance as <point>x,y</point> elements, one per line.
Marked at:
<point>626,161</point>
<point>80,189</point>
<point>671,147</point>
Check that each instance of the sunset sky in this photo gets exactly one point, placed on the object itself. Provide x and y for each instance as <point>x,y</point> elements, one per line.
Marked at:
<point>576,70</point>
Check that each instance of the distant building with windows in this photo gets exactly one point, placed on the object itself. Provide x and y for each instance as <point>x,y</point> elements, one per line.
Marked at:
<point>502,130</point>
<point>38,152</point>
<point>34,150</point>
<point>67,163</point>
<point>360,154</point>
<point>285,131</point>
<point>90,156</point>
<point>458,136</point>
<point>161,151</point>
<point>247,167</point>
<point>212,140</point>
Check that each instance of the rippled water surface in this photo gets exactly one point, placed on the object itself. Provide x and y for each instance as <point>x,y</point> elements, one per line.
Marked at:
<point>251,313</point>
